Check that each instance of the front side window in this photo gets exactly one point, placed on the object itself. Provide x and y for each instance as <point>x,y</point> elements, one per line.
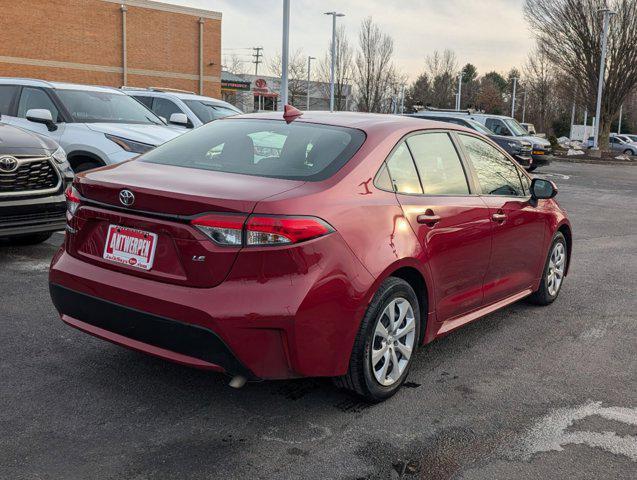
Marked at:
<point>89,106</point>
<point>7,93</point>
<point>209,111</point>
<point>144,100</point>
<point>31,98</point>
<point>267,148</point>
<point>497,175</point>
<point>497,126</point>
<point>403,171</point>
<point>165,108</point>
<point>438,164</point>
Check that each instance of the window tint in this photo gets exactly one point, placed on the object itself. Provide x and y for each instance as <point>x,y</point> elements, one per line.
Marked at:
<point>146,101</point>
<point>36,98</point>
<point>268,148</point>
<point>497,175</point>
<point>403,171</point>
<point>438,164</point>
<point>7,92</point>
<point>165,108</point>
<point>497,126</point>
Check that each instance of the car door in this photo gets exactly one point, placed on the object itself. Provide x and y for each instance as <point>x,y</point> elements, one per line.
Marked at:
<point>519,227</point>
<point>451,223</point>
<point>32,98</point>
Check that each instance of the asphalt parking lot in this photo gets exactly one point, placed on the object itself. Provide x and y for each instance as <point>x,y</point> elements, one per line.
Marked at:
<point>527,392</point>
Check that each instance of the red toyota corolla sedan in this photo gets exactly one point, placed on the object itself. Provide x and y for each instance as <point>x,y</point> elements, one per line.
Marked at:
<point>275,246</point>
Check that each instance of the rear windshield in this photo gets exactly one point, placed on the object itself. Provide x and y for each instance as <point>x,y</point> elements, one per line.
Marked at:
<point>267,148</point>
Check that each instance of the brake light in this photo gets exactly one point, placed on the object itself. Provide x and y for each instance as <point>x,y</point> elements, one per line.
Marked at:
<point>284,230</point>
<point>222,229</point>
<point>72,201</point>
<point>234,230</point>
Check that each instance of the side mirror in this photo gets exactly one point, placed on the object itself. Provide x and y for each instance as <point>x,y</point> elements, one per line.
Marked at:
<point>180,119</point>
<point>542,189</point>
<point>42,115</point>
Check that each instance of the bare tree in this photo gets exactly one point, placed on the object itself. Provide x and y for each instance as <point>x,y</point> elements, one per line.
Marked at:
<point>343,71</point>
<point>569,32</point>
<point>443,70</point>
<point>233,64</point>
<point>374,73</point>
<point>541,89</point>
<point>297,75</point>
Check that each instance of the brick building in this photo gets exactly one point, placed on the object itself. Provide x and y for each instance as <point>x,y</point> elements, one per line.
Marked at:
<point>112,42</point>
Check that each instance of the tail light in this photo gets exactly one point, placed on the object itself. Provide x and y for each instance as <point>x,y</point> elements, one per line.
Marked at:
<point>72,201</point>
<point>235,230</point>
<point>224,230</point>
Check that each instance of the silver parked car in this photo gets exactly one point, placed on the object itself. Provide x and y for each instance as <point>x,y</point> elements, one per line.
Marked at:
<point>96,126</point>
<point>182,108</point>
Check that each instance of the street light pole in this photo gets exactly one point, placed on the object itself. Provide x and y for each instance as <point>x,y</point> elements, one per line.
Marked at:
<point>309,64</point>
<point>285,53</point>
<point>333,66</point>
<point>524,106</point>
<point>459,96</point>
<point>515,84</point>
<point>619,127</point>
<point>600,84</point>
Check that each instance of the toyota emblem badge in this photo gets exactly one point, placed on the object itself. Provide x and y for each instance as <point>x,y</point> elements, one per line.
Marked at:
<point>126,197</point>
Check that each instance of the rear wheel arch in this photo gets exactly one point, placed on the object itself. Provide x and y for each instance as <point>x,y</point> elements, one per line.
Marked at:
<point>418,283</point>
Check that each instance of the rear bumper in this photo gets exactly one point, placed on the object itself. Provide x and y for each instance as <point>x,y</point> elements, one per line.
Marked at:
<point>177,341</point>
<point>260,323</point>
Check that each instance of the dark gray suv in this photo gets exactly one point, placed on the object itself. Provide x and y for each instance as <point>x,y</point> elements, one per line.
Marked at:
<point>34,174</point>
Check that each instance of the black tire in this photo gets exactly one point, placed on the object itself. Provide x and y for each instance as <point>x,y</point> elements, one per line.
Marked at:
<point>85,166</point>
<point>542,296</point>
<point>628,152</point>
<point>30,239</point>
<point>531,168</point>
<point>360,378</point>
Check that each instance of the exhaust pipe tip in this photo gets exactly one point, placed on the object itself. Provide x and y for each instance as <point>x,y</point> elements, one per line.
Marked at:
<point>238,381</point>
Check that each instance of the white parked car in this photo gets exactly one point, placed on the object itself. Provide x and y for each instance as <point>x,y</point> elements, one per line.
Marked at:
<point>178,107</point>
<point>96,126</point>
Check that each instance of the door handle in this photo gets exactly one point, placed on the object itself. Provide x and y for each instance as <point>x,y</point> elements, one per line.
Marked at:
<point>499,217</point>
<point>428,218</point>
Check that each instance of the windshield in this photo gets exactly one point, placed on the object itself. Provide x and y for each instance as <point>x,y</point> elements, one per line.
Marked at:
<point>209,111</point>
<point>516,129</point>
<point>266,148</point>
<point>105,107</point>
<point>479,127</point>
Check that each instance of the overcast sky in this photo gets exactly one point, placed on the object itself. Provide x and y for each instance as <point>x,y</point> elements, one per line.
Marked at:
<point>491,34</point>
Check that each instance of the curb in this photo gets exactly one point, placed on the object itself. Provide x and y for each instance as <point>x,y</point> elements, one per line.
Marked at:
<point>591,161</point>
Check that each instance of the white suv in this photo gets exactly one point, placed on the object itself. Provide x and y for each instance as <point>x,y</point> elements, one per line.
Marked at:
<point>182,108</point>
<point>96,126</point>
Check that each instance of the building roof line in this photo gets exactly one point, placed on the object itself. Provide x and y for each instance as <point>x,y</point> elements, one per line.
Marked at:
<point>168,7</point>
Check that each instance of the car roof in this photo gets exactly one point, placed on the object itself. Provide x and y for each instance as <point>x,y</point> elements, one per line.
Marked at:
<point>33,82</point>
<point>367,122</point>
<point>168,93</point>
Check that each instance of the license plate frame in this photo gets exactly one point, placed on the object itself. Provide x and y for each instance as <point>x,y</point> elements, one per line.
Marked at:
<point>130,247</point>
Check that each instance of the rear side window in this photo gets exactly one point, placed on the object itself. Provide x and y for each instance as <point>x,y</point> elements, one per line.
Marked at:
<point>403,171</point>
<point>438,164</point>
<point>267,148</point>
<point>7,93</point>
<point>497,174</point>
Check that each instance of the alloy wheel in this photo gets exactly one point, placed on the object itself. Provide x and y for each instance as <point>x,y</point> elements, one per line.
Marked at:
<point>393,342</point>
<point>555,272</point>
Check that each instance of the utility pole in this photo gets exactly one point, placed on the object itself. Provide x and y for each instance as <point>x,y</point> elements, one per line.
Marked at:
<point>524,106</point>
<point>257,59</point>
<point>619,127</point>
<point>309,64</point>
<point>333,66</point>
<point>515,84</point>
<point>572,120</point>
<point>285,53</point>
<point>402,100</point>
<point>600,84</point>
<point>459,95</point>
